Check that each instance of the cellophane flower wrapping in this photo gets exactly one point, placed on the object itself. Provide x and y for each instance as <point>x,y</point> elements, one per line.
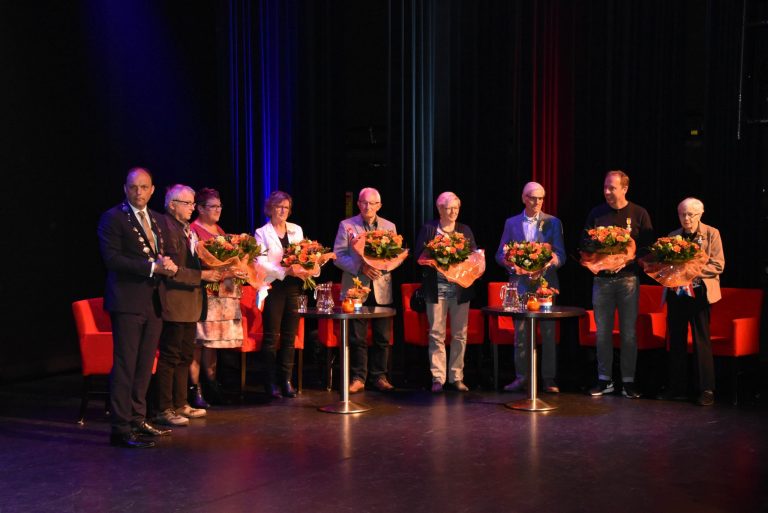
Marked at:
<point>607,248</point>
<point>304,259</point>
<point>235,256</point>
<point>381,249</point>
<point>528,258</point>
<point>453,257</point>
<point>674,261</point>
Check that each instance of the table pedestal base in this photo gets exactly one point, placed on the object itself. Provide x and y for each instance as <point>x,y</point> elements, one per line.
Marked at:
<point>346,407</point>
<point>530,405</point>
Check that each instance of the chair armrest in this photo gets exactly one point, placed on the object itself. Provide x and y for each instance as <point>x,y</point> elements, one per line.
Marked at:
<point>746,336</point>
<point>658,323</point>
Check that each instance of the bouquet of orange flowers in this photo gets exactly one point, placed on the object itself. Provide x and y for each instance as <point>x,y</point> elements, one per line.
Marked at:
<point>235,256</point>
<point>606,240</point>
<point>607,248</point>
<point>528,258</point>
<point>381,249</point>
<point>674,261</point>
<point>453,257</point>
<point>304,259</point>
<point>359,291</point>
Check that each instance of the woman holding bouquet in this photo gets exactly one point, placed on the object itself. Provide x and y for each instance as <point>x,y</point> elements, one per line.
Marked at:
<point>690,305</point>
<point>443,297</point>
<point>280,317</point>
<point>222,327</point>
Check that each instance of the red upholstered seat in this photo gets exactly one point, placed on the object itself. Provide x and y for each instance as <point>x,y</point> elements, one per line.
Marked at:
<point>94,332</point>
<point>416,326</point>
<point>329,335</point>
<point>735,329</point>
<point>253,336</point>
<point>651,322</point>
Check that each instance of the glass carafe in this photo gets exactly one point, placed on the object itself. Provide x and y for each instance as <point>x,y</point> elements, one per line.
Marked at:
<point>509,298</point>
<point>324,297</point>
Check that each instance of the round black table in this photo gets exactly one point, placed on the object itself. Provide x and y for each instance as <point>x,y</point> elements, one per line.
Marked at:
<point>533,403</point>
<point>367,312</point>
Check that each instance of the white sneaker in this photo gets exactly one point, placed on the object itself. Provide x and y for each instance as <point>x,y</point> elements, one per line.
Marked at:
<point>170,418</point>
<point>191,413</point>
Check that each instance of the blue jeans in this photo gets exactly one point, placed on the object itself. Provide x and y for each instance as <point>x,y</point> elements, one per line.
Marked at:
<point>609,294</point>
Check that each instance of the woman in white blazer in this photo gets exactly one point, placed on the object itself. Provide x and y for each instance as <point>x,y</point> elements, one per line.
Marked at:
<point>280,318</point>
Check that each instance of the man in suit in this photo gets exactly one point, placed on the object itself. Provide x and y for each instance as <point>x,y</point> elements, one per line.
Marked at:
<point>131,244</point>
<point>183,297</point>
<point>369,203</point>
<point>534,225</point>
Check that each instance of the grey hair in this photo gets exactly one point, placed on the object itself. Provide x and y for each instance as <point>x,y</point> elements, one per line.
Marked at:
<point>445,198</point>
<point>173,193</point>
<point>530,187</point>
<point>696,203</point>
<point>366,190</point>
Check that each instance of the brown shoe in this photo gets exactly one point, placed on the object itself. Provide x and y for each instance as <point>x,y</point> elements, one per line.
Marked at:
<point>356,386</point>
<point>551,387</point>
<point>383,384</point>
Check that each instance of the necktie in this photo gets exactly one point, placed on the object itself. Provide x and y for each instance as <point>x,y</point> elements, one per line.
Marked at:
<point>147,229</point>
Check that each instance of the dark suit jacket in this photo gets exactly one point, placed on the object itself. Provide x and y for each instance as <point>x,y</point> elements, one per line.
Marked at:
<point>128,260</point>
<point>549,230</point>
<point>429,274</point>
<point>182,295</point>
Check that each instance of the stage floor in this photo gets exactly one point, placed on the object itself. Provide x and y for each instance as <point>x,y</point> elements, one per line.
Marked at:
<point>414,452</point>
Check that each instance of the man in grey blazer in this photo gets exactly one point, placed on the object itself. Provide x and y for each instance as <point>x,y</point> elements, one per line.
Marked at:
<point>369,203</point>
<point>534,225</point>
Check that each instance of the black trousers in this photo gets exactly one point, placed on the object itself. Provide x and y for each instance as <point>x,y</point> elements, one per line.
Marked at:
<point>177,345</point>
<point>682,311</point>
<point>135,339</point>
<point>360,355</point>
<point>281,322</point>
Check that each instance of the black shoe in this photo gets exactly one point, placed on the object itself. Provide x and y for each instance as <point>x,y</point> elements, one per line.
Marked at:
<point>195,397</point>
<point>288,390</point>
<point>707,398</point>
<point>145,428</point>
<point>129,441</point>
<point>602,387</point>
<point>629,390</point>
<point>274,391</point>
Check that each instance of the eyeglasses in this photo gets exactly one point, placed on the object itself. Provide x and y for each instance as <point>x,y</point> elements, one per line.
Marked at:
<point>212,207</point>
<point>689,215</point>
<point>185,203</point>
<point>535,198</point>
<point>368,203</point>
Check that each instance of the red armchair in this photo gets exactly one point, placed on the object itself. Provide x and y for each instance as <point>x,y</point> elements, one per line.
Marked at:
<point>735,329</point>
<point>329,335</point>
<point>253,335</point>
<point>416,326</point>
<point>651,322</point>
<point>94,331</point>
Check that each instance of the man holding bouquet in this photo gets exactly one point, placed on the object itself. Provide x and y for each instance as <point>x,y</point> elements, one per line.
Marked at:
<point>533,225</point>
<point>354,266</point>
<point>618,288</point>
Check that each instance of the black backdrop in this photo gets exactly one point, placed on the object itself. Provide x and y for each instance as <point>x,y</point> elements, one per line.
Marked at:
<point>89,91</point>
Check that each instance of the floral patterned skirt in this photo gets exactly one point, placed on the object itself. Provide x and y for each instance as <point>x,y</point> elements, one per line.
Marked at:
<point>223,327</point>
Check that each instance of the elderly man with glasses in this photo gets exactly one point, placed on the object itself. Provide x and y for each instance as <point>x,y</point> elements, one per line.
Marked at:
<point>533,225</point>
<point>369,203</point>
<point>183,299</point>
